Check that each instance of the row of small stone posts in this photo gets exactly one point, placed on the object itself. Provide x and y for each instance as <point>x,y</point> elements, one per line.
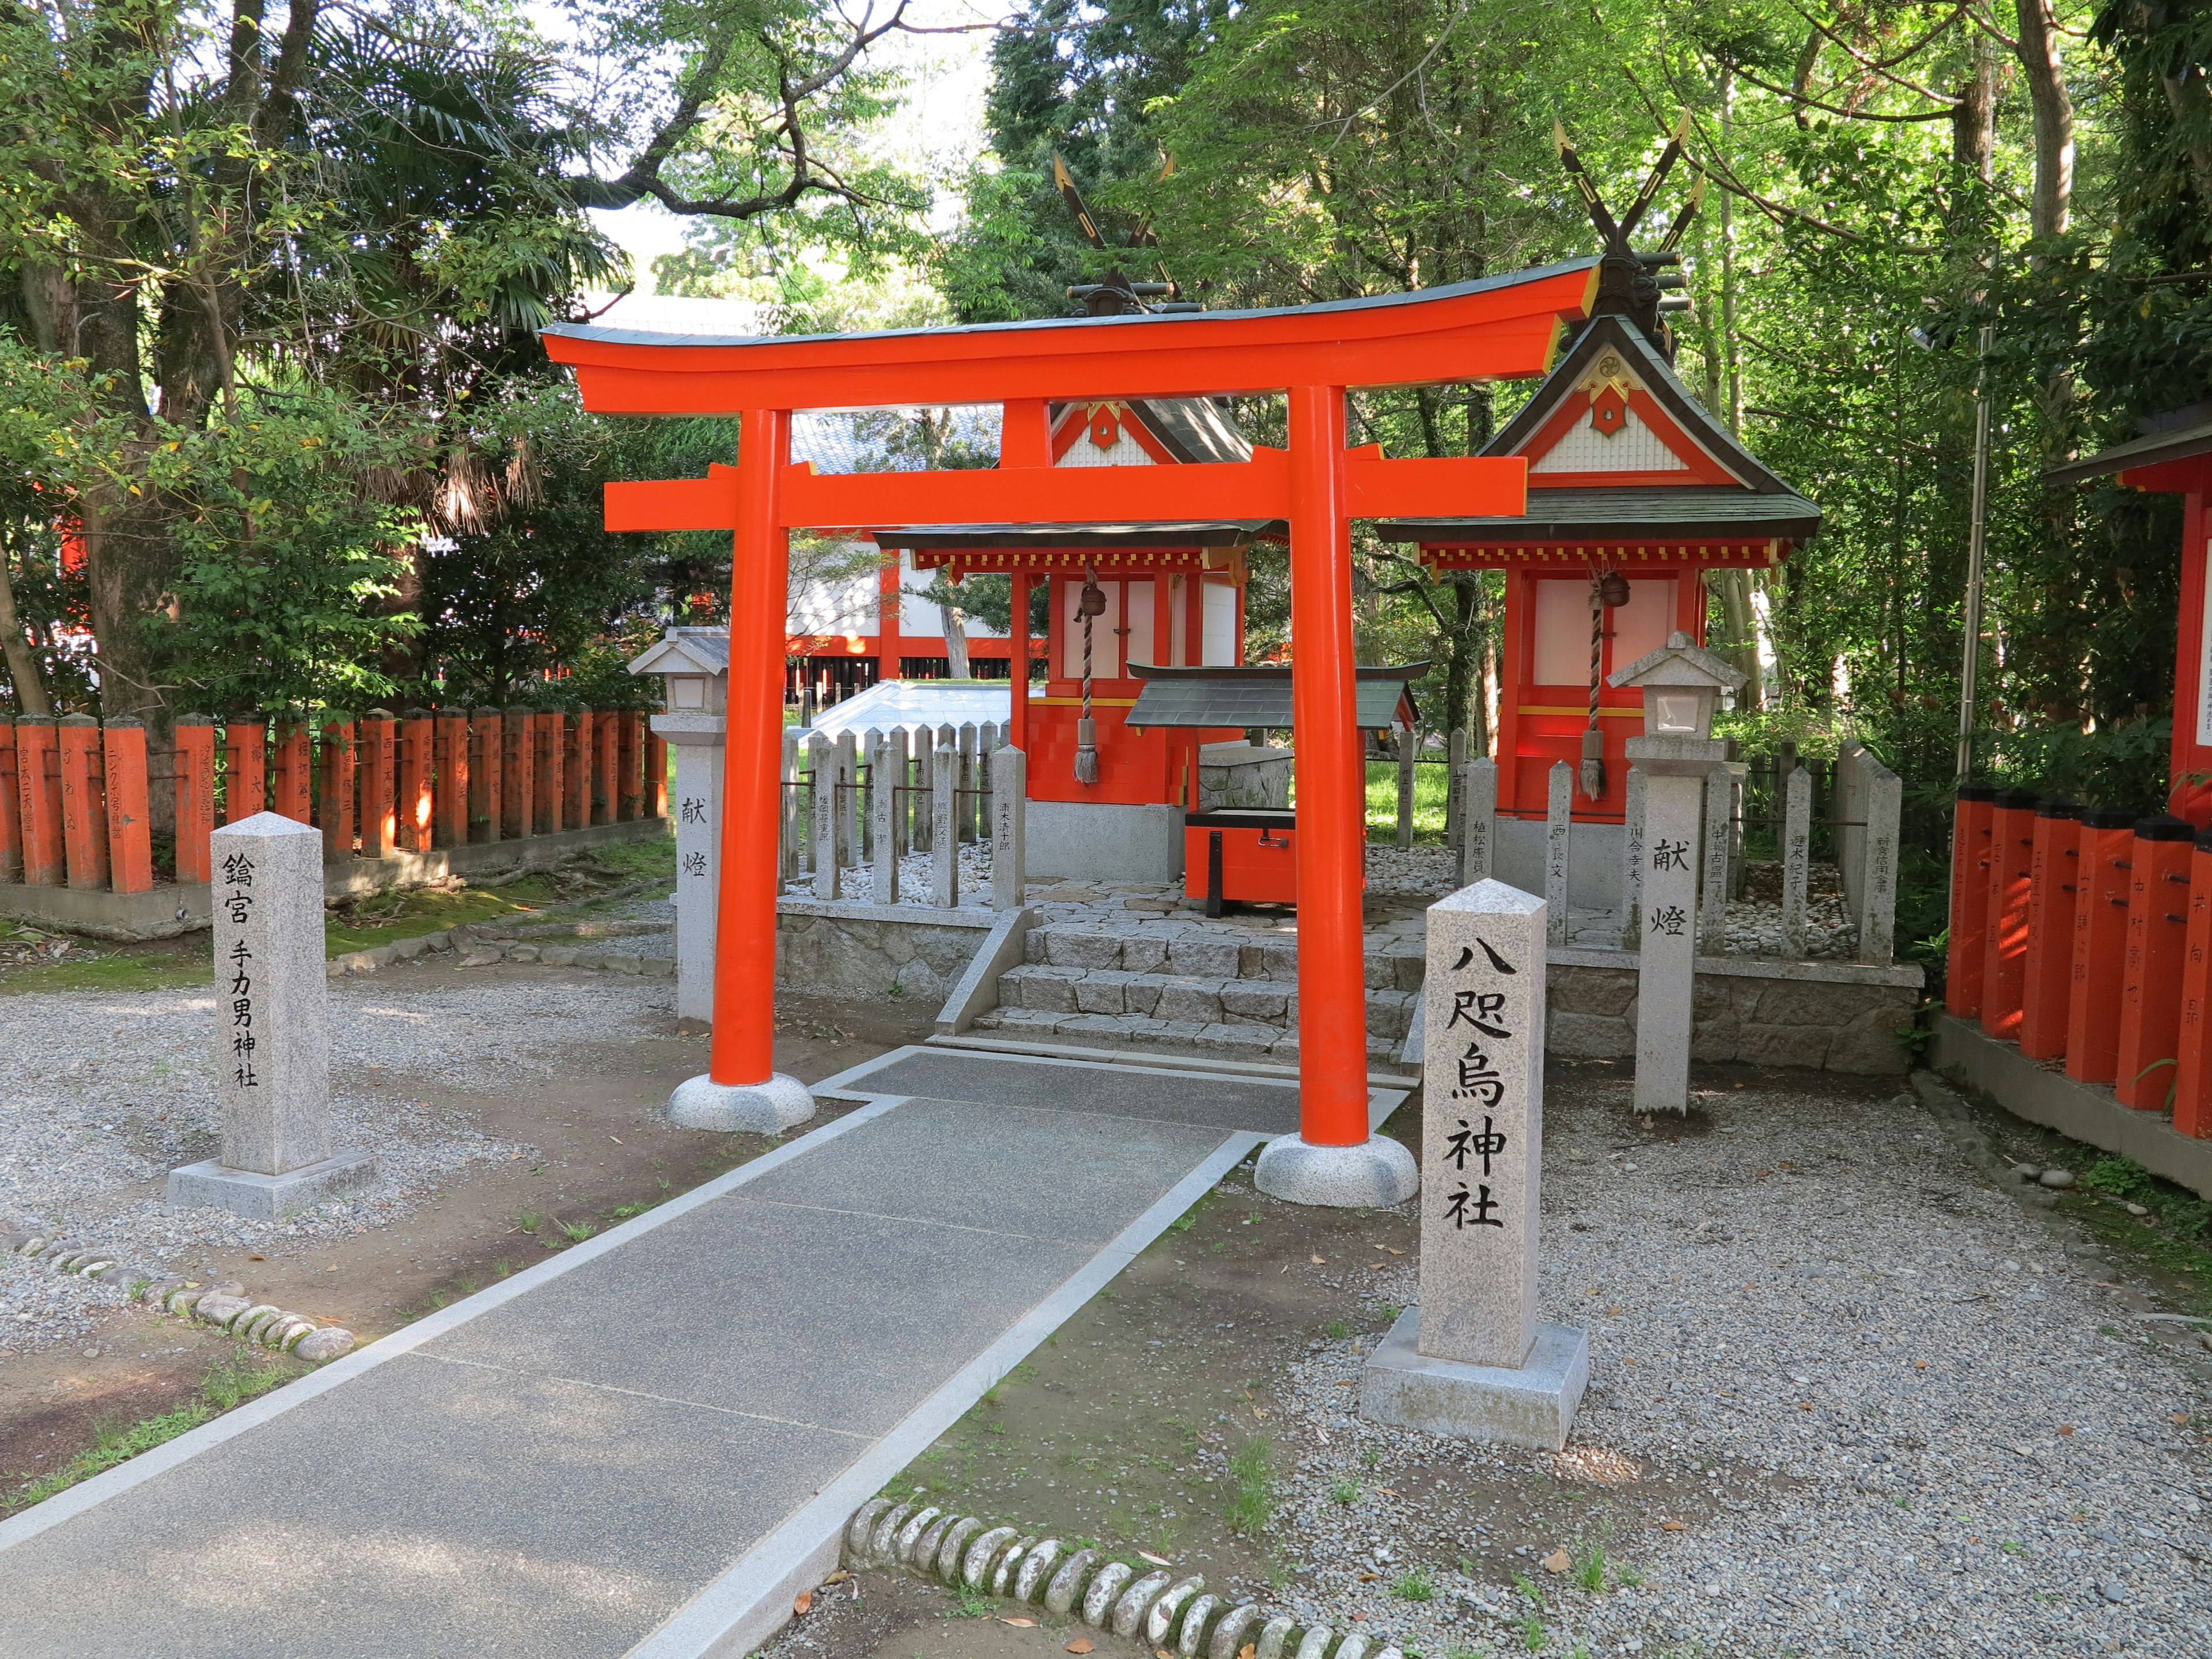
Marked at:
<point>863,801</point>
<point>74,793</point>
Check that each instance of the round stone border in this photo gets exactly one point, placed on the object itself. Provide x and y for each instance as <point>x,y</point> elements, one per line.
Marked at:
<point>224,1306</point>
<point>1090,1586</point>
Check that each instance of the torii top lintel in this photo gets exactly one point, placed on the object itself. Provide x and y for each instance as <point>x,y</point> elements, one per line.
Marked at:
<point>1505,326</point>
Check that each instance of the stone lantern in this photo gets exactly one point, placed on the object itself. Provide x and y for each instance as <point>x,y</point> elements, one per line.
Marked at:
<point>694,664</point>
<point>1681,686</point>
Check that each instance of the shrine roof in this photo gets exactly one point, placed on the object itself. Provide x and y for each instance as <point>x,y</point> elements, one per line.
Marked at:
<point>1213,534</point>
<point>1259,695</point>
<point>1662,513</point>
<point>2177,435</point>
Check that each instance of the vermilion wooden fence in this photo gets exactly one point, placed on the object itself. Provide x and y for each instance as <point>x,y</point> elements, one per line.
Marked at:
<point>74,795</point>
<point>2085,935</point>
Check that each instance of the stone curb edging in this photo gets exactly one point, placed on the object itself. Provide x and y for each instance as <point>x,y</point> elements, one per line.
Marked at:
<point>1172,1612</point>
<point>224,1306</point>
<point>488,945</point>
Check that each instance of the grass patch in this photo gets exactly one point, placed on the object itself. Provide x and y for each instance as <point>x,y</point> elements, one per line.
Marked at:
<point>1431,783</point>
<point>2174,1237</point>
<point>235,1380</point>
<point>119,970</point>
<point>381,918</point>
<point>1415,1586</point>
<point>1345,1493</point>
<point>1252,1477</point>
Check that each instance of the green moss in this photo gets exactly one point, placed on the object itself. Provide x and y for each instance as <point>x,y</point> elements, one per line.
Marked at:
<point>165,970</point>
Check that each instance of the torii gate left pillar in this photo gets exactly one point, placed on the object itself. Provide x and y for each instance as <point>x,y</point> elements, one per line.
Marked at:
<point>1499,327</point>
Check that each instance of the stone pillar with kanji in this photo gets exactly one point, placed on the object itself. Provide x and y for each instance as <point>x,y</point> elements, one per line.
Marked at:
<point>273,1049</point>
<point>1471,1359</point>
<point>694,664</point>
<point>1681,686</point>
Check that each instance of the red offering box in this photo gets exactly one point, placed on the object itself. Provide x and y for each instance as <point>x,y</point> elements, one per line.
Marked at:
<point>1259,860</point>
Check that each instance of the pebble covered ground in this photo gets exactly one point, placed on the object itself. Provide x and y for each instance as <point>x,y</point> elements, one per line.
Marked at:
<point>1924,1419</point>
<point>102,1094</point>
<point>1416,874</point>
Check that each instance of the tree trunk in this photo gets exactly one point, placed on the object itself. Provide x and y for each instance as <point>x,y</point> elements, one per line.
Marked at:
<point>956,643</point>
<point>2053,112</point>
<point>1974,117</point>
<point>22,662</point>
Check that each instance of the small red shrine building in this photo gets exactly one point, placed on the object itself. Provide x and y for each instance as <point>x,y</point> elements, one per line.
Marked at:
<point>1629,477</point>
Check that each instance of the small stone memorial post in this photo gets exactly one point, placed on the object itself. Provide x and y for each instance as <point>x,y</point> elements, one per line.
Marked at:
<point>272,1042</point>
<point>1681,686</point>
<point>694,664</point>
<point>1559,826</point>
<point>1472,1360</point>
<point>945,825</point>
<point>829,872</point>
<point>1009,825</point>
<point>1631,860</point>
<point>881,801</point>
<point>1478,820</point>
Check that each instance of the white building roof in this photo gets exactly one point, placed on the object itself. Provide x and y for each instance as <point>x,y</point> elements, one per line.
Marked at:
<point>915,704</point>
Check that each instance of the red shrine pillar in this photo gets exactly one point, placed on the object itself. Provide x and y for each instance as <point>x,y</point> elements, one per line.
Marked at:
<point>1333,1159</point>
<point>2048,977</point>
<point>2154,963</point>
<point>741,1089</point>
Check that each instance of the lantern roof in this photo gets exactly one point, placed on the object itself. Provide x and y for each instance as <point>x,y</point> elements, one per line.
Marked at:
<point>686,651</point>
<point>1678,663</point>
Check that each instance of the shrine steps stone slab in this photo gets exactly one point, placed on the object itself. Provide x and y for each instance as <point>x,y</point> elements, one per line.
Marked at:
<point>575,1461</point>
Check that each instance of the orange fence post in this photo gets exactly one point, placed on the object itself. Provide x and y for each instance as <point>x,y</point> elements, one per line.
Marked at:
<point>2192,1080</point>
<point>11,828</point>
<point>38,782</point>
<point>485,774</point>
<point>603,766</point>
<point>378,740</point>
<point>195,796</point>
<point>545,797</point>
<point>656,774</point>
<point>2048,973</point>
<point>449,791</point>
<point>413,803</point>
<point>84,801</point>
<point>2004,957</point>
<point>576,806</point>
<point>2100,941</point>
<point>340,762</point>
<point>632,761</point>
<point>127,830</point>
<point>245,769</point>
<point>1970,900</point>
<point>2158,935</point>
<point>521,775</point>
<point>291,772</point>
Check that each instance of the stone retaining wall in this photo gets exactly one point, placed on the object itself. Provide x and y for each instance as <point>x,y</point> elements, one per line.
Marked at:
<point>1807,1019</point>
<point>912,952</point>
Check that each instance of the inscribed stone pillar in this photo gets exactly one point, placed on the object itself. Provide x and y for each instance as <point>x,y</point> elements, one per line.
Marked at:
<point>1796,857</point>
<point>883,842</point>
<point>1409,751</point>
<point>848,800</point>
<point>1478,820</point>
<point>1673,804</point>
<point>945,826</point>
<point>987,744</point>
<point>1631,860</point>
<point>698,740</point>
<point>964,807</point>
<point>791,823</point>
<point>1720,830</point>
<point>1471,1359</point>
<point>828,872</point>
<point>1009,828</point>
<point>272,1047</point>
<point>924,786</point>
<point>1454,786</point>
<point>901,805</point>
<point>1557,826</point>
<point>1885,801</point>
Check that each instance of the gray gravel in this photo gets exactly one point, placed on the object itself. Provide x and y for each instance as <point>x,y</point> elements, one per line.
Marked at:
<point>1923,1417</point>
<point>102,1094</point>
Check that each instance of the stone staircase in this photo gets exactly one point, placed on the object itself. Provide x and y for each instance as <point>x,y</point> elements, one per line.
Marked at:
<point>1193,987</point>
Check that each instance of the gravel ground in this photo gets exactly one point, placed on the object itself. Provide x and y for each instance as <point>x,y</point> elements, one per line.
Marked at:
<point>101,1094</point>
<point>1927,1422</point>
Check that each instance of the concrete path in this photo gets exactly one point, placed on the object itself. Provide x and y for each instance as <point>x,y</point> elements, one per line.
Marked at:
<point>647,1443</point>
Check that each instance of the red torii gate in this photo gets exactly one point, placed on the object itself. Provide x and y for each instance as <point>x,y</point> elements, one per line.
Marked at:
<point>1499,327</point>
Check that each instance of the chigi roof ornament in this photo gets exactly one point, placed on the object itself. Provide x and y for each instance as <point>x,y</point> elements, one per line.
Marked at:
<point>1632,284</point>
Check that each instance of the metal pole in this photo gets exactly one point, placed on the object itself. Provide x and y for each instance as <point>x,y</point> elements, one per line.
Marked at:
<point>1971,662</point>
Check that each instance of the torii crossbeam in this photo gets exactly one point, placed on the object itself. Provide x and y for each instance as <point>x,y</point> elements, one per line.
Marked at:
<point>1503,327</point>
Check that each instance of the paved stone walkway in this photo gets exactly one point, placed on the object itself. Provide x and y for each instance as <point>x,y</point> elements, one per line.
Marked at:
<point>652,1439</point>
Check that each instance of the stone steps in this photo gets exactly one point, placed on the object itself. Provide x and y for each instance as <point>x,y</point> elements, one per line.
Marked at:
<point>1182,985</point>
